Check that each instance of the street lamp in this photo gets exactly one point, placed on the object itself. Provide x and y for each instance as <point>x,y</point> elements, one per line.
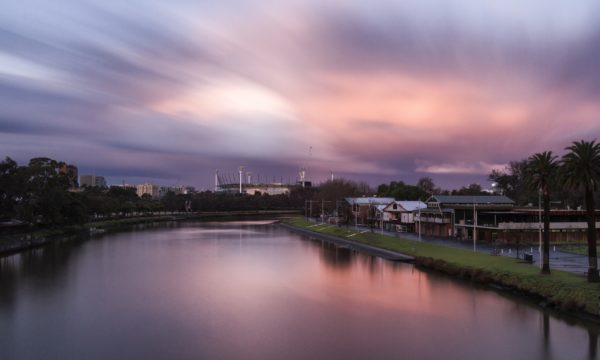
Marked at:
<point>419,207</point>
<point>356,208</point>
<point>474,225</point>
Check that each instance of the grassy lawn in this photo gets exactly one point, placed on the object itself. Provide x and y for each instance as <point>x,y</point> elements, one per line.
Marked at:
<point>568,290</point>
<point>581,249</point>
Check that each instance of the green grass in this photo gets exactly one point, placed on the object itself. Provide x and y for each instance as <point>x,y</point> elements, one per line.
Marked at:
<point>568,291</point>
<point>580,249</point>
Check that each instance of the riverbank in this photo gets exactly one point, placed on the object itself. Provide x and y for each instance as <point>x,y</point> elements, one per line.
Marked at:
<point>566,292</point>
<point>14,243</point>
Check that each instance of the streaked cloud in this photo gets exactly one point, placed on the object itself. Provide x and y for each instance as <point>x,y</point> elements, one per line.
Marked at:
<point>381,90</point>
<point>481,168</point>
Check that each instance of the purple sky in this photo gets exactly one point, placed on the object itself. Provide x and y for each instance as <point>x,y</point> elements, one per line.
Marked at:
<point>382,90</point>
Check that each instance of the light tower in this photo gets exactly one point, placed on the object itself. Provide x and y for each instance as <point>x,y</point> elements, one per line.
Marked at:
<point>241,169</point>
<point>216,180</point>
<point>302,175</point>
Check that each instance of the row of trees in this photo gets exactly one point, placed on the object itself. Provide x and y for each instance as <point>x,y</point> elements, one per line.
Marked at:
<point>424,188</point>
<point>39,194</point>
<point>577,170</point>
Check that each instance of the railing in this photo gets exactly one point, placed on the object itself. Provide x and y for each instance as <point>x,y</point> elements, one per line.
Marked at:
<point>536,225</point>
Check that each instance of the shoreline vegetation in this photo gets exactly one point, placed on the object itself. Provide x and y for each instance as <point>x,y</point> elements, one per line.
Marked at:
<point>562,291</point>
<point>15,243</point>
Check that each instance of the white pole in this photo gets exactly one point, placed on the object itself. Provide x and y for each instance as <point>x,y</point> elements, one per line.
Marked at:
<point>419,222</point>
<point>474,227</point>
<point>382,221</point>
<point>241,169</point>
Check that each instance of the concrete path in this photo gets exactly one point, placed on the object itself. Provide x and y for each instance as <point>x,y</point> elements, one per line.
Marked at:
<point>558,259</point>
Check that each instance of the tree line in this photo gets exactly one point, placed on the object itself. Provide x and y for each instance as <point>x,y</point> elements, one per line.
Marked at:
<point>41,195</point>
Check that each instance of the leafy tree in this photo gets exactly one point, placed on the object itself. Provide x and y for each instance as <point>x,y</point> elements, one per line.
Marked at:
<point>329,196</point>
<point>472,189</point>
<point>512,183</point>
<point>581,171</point>
<point>541,169</point>
<point>10,188</point>
<point>173,202</point>
<point>427,185</point>
<point>45,192</point>
<point>402,191</point>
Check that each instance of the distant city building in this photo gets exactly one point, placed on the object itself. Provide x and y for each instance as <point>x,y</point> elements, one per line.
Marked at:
<point>148,188</point>
<point>245,182</point>
<point>70,172</point>
<point>187,190</point>
<point>92,181</point>
<point>124,186</point>
<point>164,190</point>
<point>270,189</point>
<point>177,190</point>
<point>256,189</point>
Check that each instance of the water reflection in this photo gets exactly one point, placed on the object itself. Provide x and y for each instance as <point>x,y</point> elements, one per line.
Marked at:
<point>246,290</point>
<point>593,344</point>
<point>334,257</point>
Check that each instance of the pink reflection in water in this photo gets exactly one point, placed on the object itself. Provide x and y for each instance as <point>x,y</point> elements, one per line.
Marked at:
<point>257,291</point>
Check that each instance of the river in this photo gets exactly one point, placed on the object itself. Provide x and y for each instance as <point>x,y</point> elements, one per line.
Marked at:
<point>253,290</point>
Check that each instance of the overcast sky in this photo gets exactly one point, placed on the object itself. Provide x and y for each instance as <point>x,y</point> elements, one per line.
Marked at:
<point>170,91</point>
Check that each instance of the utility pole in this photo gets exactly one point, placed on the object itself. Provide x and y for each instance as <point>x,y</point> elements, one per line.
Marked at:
<point>355,215</point>
<point>305,209</point>
<point>323,201</point>
<point>474,227</point>
<point>381,220</point>
<point>419,223</point>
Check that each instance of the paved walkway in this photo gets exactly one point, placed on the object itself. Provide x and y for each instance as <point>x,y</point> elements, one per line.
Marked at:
<point>558,259</point>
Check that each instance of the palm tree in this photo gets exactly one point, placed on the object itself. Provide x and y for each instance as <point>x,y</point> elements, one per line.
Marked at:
<point>541,170</point>
<point>581,170</point>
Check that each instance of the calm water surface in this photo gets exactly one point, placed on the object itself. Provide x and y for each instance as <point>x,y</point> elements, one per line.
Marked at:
<point>257,291</point>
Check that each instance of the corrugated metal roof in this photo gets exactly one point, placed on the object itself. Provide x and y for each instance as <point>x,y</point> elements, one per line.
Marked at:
<point>411,205</point>
<point>470,199</point>
<point>406,205</point>
<point>380,207</point>
<point>369,200</point>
